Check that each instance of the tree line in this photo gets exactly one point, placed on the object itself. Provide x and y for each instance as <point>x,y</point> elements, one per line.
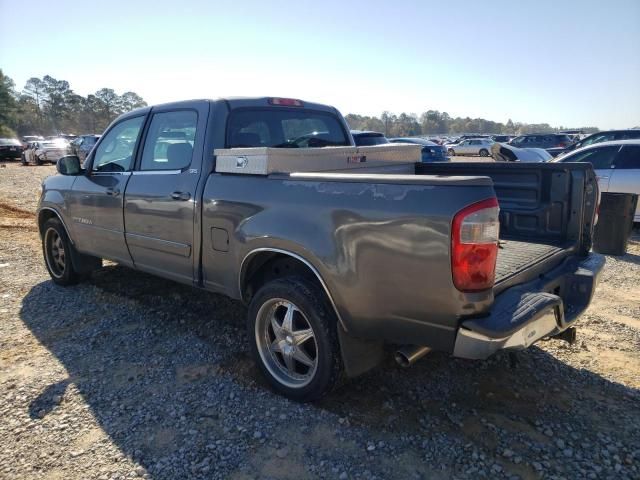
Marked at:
<point>47,106</point>
<point>435,122</point>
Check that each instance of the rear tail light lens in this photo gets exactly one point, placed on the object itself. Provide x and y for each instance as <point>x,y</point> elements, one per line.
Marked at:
<point>474,246</point>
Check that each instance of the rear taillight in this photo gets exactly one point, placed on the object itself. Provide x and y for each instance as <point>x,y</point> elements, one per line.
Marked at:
<point>474,246</point>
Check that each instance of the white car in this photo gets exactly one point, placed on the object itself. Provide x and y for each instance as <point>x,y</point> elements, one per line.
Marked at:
<point>46,151</point>
<point>617,165</point>
<point>472,146</point>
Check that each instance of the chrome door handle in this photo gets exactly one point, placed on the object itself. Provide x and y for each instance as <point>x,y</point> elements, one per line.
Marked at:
<point>114,192</point>
<point>183,196</point>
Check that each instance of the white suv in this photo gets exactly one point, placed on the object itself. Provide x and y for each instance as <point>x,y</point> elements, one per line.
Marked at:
<point>472,146</point>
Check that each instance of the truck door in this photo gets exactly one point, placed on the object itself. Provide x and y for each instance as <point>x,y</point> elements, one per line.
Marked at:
<point>159,211</point>
<point>96,198</point>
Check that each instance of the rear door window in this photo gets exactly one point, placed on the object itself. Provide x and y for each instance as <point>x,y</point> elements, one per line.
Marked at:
<point>169,142</point>
<point>628,158</point>
<point>284,128</point>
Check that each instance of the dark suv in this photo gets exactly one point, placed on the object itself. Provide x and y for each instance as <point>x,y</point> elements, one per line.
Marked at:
<point>554,142</point>
<point>608,136</point>
<point>83,144</point>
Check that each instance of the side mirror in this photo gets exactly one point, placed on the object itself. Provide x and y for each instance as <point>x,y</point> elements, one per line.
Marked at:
<point>69,165</point>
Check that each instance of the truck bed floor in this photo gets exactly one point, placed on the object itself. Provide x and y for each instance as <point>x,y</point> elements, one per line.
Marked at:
<point>515,256</point>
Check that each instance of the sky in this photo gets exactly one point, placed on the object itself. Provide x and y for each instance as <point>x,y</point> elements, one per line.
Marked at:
<point>567,63</point>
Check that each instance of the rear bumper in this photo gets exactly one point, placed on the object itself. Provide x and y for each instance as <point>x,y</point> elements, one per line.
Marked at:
<point>524,314</point>
<point>11,154</point>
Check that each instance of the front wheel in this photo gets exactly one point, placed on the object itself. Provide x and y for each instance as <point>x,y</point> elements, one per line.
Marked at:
<point>452,152</point>
<point>293,338</point>
<point>484,153</point>
<point>56,248</point>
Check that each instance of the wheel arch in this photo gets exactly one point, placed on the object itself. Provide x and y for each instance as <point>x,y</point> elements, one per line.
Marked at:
<point>254,272</point>
<point>47,213</point>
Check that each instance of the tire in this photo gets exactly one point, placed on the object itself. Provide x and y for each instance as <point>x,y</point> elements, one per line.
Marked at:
<point>452,152</point>
<point>38,161</point>
<point>56,249</point>
<point>300,360</point>
<point>484,152</point>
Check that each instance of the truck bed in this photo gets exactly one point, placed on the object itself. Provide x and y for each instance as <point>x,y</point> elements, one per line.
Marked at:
<point>516,256</point>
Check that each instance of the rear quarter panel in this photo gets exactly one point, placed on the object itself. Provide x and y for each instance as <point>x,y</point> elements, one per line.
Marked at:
<point>381,249</point>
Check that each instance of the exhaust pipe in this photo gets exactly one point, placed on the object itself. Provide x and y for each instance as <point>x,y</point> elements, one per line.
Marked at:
<point>407,356</point>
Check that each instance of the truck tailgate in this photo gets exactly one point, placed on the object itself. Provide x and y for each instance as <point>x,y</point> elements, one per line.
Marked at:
<point>516,256</point>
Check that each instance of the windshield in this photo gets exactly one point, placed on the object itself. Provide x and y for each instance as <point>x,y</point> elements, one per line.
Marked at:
<point>284,128</point>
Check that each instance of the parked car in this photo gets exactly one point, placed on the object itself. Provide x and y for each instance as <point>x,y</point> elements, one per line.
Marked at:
<point>431,151</point>
<point>29,154</point>
<point>328,263</point>
<point>364,138</point>
<point>503,152</point>
<point>47,151</point>
<point>27,139</point>
<point>10,148</point>
<point>554,143</point>
<point>473,146</point>
<point>82,145</point>
<point>608,136</point>
<point>617,165</point>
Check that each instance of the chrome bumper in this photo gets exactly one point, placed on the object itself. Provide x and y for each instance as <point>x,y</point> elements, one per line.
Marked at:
<point>476,346</point>
<point>524,314</point>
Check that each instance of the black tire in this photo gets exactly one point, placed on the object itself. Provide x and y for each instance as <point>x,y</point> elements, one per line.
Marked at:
<point>452,152</point>
<point>314,310</point>
<point>38,161</point>
<point>53,236</point>
<point>484,152</point>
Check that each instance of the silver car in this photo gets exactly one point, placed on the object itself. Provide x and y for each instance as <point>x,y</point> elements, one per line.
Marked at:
<point>472,146</point>
<point>617,165</point>
<point>50,150</point>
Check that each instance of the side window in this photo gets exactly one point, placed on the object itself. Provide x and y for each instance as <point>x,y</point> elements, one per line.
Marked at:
<point>115,152</point>
<point>600,158</point>
<point>169,142</point>
<point>629,158</point>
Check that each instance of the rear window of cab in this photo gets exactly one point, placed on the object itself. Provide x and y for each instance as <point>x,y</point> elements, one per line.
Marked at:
<point>284,128</point>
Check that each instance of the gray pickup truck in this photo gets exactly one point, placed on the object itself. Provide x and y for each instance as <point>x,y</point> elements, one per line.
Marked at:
<point>465,258</point>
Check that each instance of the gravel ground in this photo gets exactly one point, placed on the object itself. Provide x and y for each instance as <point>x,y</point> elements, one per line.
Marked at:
<point>131,376</point>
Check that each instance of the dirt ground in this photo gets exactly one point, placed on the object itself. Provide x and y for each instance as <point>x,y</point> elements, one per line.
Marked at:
<point>588,394</point>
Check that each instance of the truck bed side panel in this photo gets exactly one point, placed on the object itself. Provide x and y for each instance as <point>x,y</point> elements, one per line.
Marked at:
<point>382,249</point>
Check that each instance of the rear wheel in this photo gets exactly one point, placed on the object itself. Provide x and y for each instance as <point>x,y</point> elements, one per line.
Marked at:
<point>56,248</point>
<point>293,338</point>
<point>484,152</point>
<point>452,152</point>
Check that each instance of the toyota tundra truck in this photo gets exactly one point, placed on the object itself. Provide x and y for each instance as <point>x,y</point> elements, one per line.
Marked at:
<point>334,265</point>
